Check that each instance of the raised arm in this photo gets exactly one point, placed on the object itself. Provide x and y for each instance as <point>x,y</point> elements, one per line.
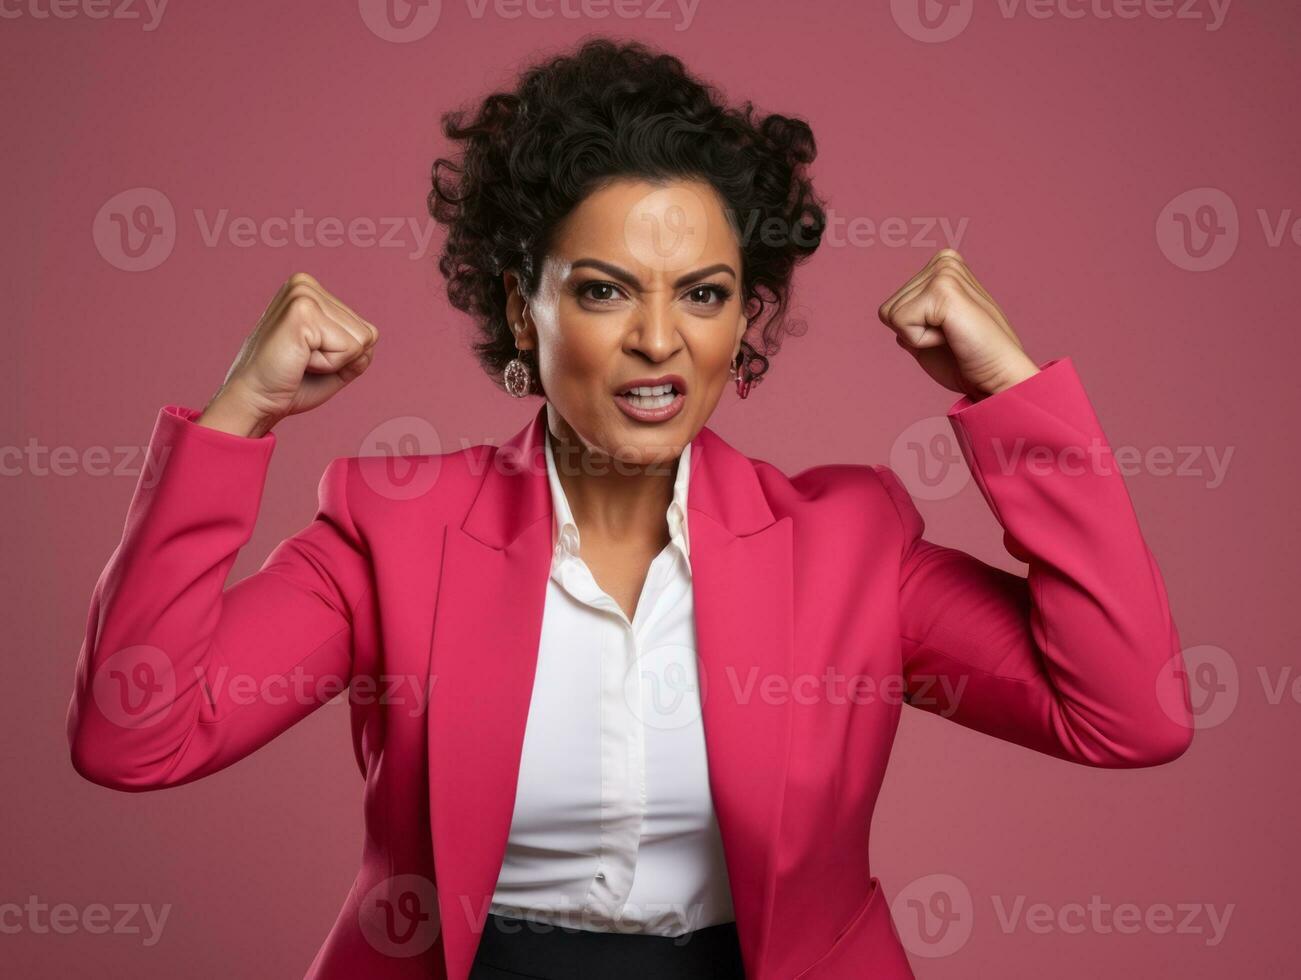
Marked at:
<point>1079,659</point>
<point>180,676</point>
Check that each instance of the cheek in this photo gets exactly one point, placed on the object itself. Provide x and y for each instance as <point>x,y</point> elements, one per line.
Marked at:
<point>714,350</point>
<point>578,355</point>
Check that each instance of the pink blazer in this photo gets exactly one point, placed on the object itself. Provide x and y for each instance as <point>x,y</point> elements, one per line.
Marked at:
<point>420,584</point>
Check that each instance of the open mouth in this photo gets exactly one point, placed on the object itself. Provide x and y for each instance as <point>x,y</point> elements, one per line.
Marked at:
<point>650,397</point>
<point>652,400</point>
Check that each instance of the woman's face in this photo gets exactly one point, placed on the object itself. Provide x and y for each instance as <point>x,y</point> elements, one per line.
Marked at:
<point>642,283</point>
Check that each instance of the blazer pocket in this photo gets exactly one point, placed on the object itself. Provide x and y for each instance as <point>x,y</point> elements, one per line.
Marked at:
<point>866,948</point>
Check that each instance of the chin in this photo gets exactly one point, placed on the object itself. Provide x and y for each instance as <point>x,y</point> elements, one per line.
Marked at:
<point>641,448</point>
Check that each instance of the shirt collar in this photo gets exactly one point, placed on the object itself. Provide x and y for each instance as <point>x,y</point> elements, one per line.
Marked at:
<point>565,537</point>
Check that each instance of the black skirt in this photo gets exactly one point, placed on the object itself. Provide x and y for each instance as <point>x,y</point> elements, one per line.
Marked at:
<point>518,948</point>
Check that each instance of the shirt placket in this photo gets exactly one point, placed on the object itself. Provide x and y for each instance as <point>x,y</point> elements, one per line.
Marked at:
<point>623,748</point>
<point>623,784</point>
<point>622,645</point>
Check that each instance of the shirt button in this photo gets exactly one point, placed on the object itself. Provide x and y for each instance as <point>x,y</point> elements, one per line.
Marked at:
<point>600,875</point>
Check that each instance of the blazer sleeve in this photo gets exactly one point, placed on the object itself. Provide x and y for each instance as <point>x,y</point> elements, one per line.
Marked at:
<point>1079,659</point>
<point>180,676</point>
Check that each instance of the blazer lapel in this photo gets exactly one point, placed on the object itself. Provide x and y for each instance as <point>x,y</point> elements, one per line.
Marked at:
<point>487,626</point>
<point>742,571</point>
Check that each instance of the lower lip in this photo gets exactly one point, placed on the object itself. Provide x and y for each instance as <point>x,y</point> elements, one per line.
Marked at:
<point>651,414</point>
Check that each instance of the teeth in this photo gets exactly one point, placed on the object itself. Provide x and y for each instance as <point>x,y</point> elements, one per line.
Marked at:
<point>650,401</point>
<point>647,390</point>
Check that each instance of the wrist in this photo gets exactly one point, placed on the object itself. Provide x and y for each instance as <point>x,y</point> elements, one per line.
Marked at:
<point>1010,377</point>
<point>227,414</point>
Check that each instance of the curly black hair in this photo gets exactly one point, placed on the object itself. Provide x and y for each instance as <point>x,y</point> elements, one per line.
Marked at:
<point>605,111</point>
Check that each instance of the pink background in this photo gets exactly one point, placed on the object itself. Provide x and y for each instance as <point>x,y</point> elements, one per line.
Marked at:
<point>1069,151</point>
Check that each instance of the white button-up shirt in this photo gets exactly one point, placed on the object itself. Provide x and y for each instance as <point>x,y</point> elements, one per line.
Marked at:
<point>614,827</point>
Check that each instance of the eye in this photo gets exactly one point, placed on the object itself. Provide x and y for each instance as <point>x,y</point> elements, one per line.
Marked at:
<point>706,292</point>
<point>600,292</point>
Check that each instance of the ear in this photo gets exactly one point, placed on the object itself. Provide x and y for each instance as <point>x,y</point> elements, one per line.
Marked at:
<point>742,323</point>
<point>517,314</point>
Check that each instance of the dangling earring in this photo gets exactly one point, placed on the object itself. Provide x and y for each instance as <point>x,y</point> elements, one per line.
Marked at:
<point>742,384</point>
<point>748,371</point>
<point>517,377</point>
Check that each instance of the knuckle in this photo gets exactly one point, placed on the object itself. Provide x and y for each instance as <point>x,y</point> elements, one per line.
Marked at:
<point>946,281</point>
<point>301,305</point>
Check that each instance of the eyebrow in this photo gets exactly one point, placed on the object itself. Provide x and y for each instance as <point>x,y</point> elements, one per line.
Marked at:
<point>628,278</point>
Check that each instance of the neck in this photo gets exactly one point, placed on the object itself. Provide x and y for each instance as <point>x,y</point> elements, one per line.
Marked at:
<point>611,498</point>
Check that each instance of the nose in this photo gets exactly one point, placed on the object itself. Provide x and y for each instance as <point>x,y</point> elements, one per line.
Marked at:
<point>653,331</point>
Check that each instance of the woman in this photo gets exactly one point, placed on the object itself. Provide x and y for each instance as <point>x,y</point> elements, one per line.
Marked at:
<point>623,696</point>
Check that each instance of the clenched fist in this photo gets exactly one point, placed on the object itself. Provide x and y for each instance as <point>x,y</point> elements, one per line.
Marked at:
<point>306,347</point>
<point>955,330</point>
